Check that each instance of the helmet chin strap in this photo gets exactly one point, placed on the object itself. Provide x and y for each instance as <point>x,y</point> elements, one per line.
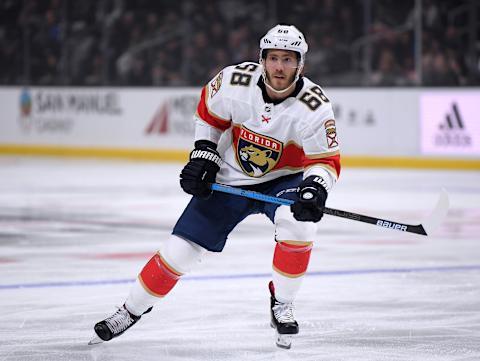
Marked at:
<point>265,80</point>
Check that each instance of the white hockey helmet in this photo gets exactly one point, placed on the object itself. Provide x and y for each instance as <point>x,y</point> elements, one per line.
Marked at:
<point>284,37</point>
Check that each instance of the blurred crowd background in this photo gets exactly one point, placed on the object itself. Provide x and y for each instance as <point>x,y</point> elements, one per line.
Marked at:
<point>186,42</point>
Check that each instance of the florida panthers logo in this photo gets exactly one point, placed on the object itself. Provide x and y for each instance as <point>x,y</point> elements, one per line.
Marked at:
<point>256,154</point>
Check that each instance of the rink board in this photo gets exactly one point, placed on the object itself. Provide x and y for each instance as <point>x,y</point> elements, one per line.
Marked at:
<point>429,127</point>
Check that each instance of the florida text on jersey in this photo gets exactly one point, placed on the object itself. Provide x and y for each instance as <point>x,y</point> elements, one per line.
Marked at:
<point>259,139</point>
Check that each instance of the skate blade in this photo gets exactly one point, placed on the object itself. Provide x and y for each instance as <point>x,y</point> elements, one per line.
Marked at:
<point>95,340</point>
<point>283,341</point>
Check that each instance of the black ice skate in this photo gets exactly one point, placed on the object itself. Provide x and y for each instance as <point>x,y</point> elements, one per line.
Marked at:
<point>282,320</point>
<point>114,325</point>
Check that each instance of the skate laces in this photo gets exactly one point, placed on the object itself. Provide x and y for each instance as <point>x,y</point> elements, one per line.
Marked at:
<point>119,321</point>
<point>283,312</point>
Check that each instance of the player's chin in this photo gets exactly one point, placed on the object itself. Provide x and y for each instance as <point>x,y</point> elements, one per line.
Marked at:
<point>280,84</point>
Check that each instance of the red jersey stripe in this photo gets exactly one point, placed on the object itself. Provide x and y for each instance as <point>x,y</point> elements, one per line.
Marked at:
<point>332,162</point>
<point>207,116</point>
<point>291,157</point>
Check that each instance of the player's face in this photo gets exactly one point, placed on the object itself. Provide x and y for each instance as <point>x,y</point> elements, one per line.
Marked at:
<point>280,67</point>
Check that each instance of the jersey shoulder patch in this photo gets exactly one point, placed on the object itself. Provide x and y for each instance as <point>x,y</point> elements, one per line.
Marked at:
<point>215,84</point>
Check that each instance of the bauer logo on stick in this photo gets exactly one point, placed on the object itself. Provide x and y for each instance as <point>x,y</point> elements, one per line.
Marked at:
<point>386,224</point>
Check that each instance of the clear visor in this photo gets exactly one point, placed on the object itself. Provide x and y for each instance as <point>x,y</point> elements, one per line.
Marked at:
<point>273,59</point>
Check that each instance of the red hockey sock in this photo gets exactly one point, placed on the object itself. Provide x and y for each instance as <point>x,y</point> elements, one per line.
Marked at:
<point>158,277</point>
<point>291,258</point>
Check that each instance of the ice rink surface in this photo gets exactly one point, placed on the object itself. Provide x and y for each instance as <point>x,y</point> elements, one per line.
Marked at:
<point>75,233</point>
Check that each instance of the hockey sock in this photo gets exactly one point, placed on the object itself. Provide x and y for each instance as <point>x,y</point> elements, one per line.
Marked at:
<point>290,262</point>
<point>176,258</point>
<point>158,277</point>
<point>155,280</point>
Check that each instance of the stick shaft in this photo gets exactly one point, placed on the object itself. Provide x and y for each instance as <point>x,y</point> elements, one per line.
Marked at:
<point>418,229</point>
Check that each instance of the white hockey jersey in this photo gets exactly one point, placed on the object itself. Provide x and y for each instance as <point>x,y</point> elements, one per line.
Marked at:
<point>259,139</point>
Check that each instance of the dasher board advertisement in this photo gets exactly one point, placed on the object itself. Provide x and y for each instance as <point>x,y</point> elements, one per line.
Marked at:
<point>450,123</point>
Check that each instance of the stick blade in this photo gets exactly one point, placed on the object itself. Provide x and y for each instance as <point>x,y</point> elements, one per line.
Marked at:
<point>95,340</point>
<point>438,214</point>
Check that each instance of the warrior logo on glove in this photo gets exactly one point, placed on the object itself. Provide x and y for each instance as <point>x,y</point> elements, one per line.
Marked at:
<point>201,170</point>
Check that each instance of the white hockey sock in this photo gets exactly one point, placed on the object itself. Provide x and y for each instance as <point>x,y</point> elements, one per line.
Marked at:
<point>139,300</point>
<point>286,288</point>
<point>161,273</point>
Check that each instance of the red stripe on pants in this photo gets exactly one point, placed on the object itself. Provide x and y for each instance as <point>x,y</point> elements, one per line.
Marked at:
<point>291,260</point>
<point>158,277</point>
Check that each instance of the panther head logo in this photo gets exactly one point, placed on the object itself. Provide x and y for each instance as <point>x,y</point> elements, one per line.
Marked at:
<point>258,159</point>
<point>256,153</point>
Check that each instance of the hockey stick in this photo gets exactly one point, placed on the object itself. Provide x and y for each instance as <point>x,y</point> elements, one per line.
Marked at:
<point>427,227</point>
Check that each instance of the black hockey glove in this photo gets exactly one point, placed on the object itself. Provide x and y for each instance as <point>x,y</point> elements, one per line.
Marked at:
<point>201,169</point>
<point>312,195</point>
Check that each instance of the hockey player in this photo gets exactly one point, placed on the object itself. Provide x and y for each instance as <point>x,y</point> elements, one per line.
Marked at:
<point>267,128</point>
